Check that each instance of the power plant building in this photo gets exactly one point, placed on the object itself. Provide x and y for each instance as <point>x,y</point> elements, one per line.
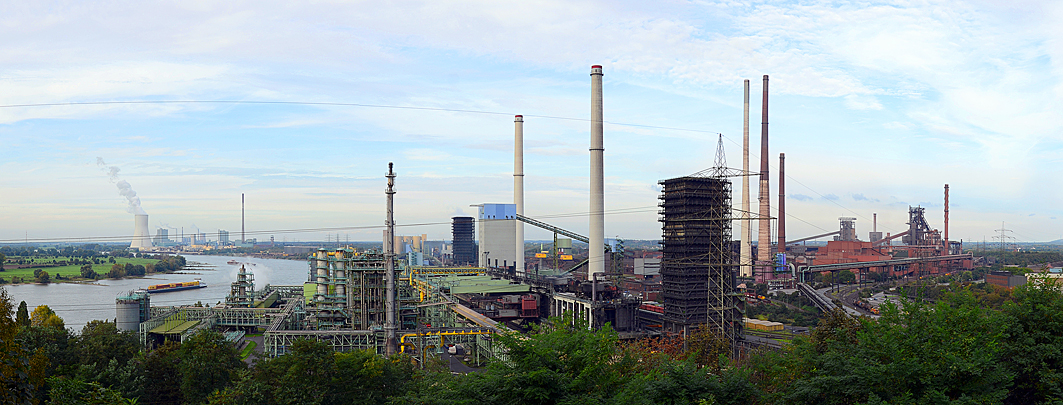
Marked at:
<point>498,235</point>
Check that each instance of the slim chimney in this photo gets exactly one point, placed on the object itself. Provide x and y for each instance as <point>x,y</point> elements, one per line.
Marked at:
<point>874,222</point>
<point>596,245</point>
<point>947,220</point>
<point>745,269</point>
<point>390,306</point>
<point>764,227</point>
<point>782,203</point>
<point>518,187</point>
<point>243,235</point>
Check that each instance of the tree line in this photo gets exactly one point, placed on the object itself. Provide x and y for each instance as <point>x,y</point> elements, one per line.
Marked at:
<point>956,350</point>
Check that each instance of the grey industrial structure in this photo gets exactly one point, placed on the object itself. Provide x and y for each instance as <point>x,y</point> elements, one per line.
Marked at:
<point>366,300</point>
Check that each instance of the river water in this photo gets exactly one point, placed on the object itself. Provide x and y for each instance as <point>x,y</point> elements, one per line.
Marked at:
<point>78,303</point>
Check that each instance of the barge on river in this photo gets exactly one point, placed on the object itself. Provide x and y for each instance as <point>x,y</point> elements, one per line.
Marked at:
<point>161,288</point>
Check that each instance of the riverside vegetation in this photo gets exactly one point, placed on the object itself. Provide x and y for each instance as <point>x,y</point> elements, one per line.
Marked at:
<point>85,263</point>
<point>953,351</point>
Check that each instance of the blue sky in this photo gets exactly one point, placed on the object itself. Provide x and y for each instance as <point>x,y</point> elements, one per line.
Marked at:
<point>877,105</point>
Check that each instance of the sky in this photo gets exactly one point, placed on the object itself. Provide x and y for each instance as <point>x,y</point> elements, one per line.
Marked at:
<point>877,105</point>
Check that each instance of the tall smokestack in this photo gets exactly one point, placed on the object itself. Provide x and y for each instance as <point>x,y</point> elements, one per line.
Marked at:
<point>745,269</point>
<point>243,235</point>
<point>764,227</point>
<point>141,237</point>
<point>874,222</point>
<point>390,306</point>
<point>947,219</point>
<point>782,203</point>
<point>518,186</point>
<point>596,256</point>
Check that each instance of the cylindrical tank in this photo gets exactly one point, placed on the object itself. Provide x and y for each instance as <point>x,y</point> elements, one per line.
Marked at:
<point>131,309</point>
<point>341,273</point>
<point>322,273</point>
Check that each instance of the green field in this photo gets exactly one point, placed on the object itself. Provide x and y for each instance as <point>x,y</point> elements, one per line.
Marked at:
<point>72,271</point>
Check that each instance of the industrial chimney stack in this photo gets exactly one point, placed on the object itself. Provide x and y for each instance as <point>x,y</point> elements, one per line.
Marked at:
<point>947,247</point>
<point>518,188</point>
<point>764,227</point>
<point>745,269</point>
<point>596,245</point>
<point>782,203</point>
<point>391,343</point>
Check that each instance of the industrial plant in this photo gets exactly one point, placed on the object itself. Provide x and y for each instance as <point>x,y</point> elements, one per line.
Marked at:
<point>396,300</point>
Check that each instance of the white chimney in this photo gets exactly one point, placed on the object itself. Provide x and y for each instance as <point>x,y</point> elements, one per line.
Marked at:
<point>596,234</point>
<point>518,188</point>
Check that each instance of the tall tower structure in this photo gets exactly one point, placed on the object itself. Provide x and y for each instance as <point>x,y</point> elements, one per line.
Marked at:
<point>782,203</point>
<point>141,235</point>
<point>596,234</point>
<point>518,189</point>
<point>391,305</point>
<point>764,227</point>
<point>745,251</point>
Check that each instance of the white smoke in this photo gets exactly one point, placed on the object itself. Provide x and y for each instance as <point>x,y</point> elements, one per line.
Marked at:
<point>124,189</point>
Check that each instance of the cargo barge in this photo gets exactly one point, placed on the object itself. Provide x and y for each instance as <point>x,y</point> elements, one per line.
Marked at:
<point>161,288</point>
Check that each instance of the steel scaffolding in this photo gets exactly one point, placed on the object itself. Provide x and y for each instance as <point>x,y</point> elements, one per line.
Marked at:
<point>697,272</point>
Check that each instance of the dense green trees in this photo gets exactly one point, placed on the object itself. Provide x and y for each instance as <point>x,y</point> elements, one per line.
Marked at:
<point>313,374</point>
<point>955,350</point>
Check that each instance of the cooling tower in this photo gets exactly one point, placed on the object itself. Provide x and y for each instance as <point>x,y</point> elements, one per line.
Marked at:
<point>141,237</point>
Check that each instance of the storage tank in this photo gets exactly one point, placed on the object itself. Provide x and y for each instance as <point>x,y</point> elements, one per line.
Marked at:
<point>131,309</point>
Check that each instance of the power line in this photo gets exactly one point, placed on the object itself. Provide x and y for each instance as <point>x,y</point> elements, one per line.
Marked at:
<point>308,230</point>
<point>388,106</point>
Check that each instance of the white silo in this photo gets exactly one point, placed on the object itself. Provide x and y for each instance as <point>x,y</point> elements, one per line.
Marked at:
<point>141,237</point>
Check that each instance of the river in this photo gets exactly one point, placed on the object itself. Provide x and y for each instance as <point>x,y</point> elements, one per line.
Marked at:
<point>80,303</point>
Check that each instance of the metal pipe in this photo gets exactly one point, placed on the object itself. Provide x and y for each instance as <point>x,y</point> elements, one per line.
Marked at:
<point>782,203</point>
<point>745,269</point>
<point>518,188</point>
<point>764,226</point>
<point>596,234</point>
<point>390,305</point>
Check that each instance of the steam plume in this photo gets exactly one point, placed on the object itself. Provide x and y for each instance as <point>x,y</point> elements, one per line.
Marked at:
<point>124,189</point>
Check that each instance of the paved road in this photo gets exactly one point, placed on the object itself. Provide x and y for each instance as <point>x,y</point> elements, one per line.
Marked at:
<point>257,351</point>
<point>456,366</point>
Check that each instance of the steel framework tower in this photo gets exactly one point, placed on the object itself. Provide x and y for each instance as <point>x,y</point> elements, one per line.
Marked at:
<point>697,272</point>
